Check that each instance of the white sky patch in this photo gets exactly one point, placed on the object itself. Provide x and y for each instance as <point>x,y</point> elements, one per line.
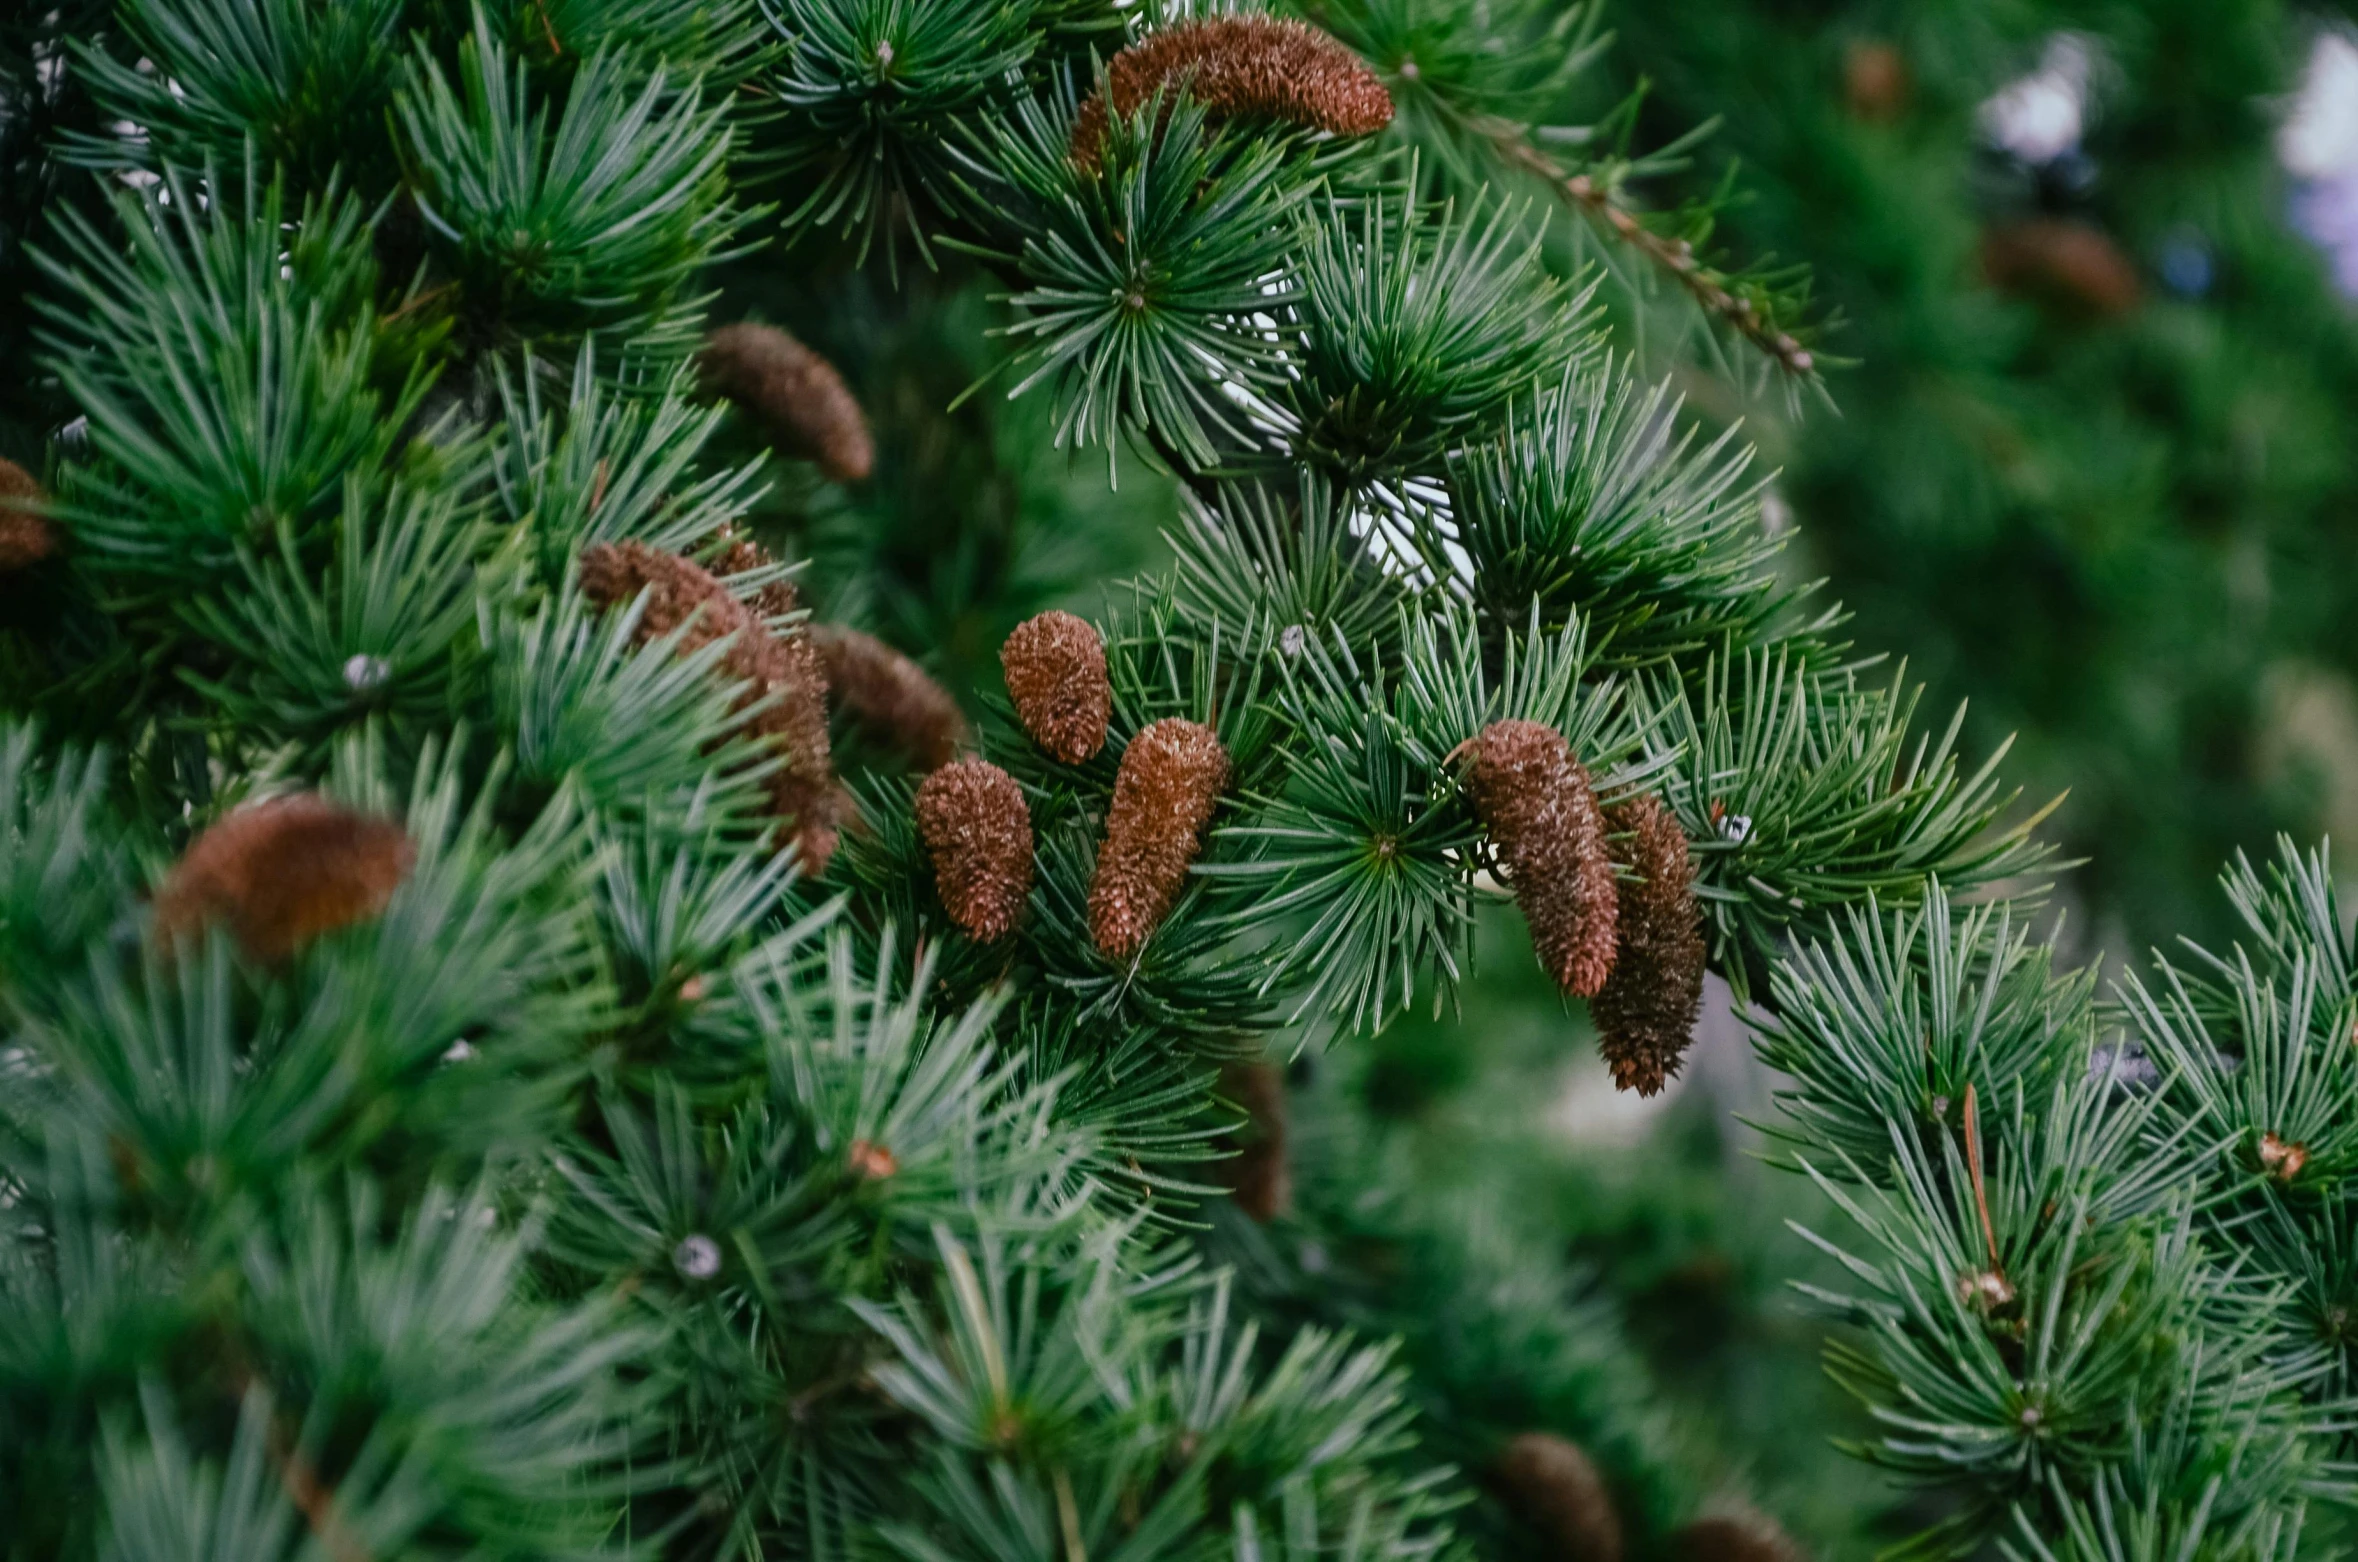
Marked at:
<point>2319,137</point>
<point>2041,116</point>
<point>2318,145</point>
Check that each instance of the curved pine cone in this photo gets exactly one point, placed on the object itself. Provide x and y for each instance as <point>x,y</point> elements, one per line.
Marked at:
<point>796,395</point>
<point>1171,778</point>
<point>1647,1011</point>
<point>1751,1537</point>
<point>1554,1487</point>
<point>1240,67</point>
<point>972,818</point>
<point>785,671</point>
<point>891,698</point>
<point>1055,666</point>
<point>1542,815</point>
<point>1259,1176</point>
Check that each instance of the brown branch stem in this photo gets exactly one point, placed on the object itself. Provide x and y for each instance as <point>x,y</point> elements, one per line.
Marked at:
<point>1675,256</point>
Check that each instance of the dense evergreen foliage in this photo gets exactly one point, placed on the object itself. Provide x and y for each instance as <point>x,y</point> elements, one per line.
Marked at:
<point>532,1027</point>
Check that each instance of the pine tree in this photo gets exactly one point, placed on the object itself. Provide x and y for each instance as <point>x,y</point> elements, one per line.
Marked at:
<point>489,1070</point>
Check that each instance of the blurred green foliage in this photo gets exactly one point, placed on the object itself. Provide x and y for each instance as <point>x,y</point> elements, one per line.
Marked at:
<point>2112,512</point>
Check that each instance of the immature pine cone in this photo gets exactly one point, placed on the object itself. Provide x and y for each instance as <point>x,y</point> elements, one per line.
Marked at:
<point>1554,1487</point>
<point>1647,1011</point>
<point>806,788</point>
<point>891,698</point>
<point>283,873</point>
<point>1171,778</point>
<point>2063,261</point>
<point>794,393</point>
<point>1542,815</point>
<point>25,538</point>
<point>802,790</point>
<point>1240,67</point>
<point>1258,1175</point>
<point>1055,666</point>
<point>1753,1537</point>
<point>972,818</point>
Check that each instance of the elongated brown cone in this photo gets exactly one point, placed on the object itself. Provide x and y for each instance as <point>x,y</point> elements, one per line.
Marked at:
<point>972,818</point>
<point>1055,666</point>
<point>1542,815</point>
<point>680,591</point>
<point>1259,1176</point>
<point>282,873</point>
<point>1647,1011</point>
<point>25,537</point>
<point>796,395</point>
<point>1171,778</point>
<point>891,698</point>
<point>1554,1487</point>
<point>1751,1537</point>
<point>1240,67</point>
<point>806,788</point>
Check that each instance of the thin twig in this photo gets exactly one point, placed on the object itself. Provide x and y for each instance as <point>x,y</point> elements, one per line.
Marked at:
<point>1675,256</point>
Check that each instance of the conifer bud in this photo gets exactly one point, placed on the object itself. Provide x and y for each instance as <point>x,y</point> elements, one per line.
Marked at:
<point>891,698</point>
<point>1240,67</point>
<point>1542,815</point>
<point>1055,666</point>
<point>972,818</point>
<point>283,873</point>
<point>1554,1487</point>
<point>796,395</point>
<point>783,671</point>
<point>25,537</point>
<point>1749,1537</point>
<point>2281,1160</point>
<point>1259,1176</point>
<point>1171,778</point>
<point>1647,1009</point>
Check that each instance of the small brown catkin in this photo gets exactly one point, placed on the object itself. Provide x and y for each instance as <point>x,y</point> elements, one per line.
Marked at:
<point>2062,261</point>
<point>973,820</point>
<point>796,395</point>
<point>25,537</point>
<point>890,698</point>
<point>1542,815</point>
<point>1259,1176</point>
<point>283,873</point>
<point>1171,778</point>
<point>740,555</point>
<point>1553,1486</point>
<point>1055,666</point>
<point>1647,1010</point>
<point>1749,1537</point>
<point>681,591</point>
<point>1240,67</point>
